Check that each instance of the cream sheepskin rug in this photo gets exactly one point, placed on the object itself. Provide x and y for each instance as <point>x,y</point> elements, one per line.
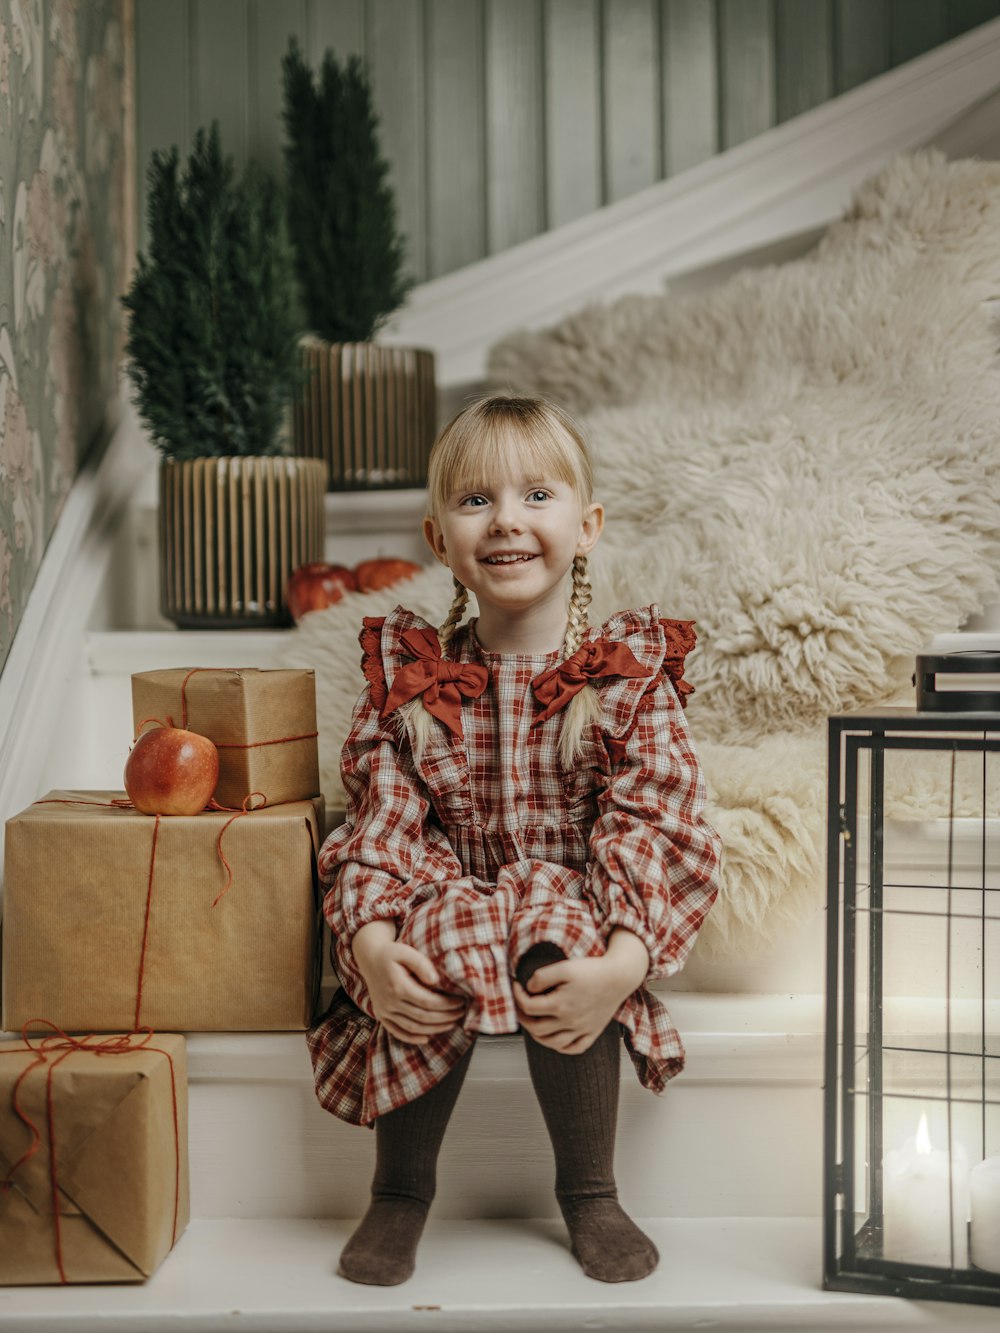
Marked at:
<point>806,461</point>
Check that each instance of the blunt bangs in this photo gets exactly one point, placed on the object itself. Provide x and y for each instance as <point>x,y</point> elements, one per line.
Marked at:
<point>499,440</point>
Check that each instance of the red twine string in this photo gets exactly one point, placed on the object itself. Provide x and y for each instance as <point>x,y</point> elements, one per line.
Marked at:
<point>109,1045</point>
<point>235,745</point>
<point>120,803</point>
<point>145,926</point>
<point>159,722</point>
<point>246,810</point>
<point>255,745</point>
<point>60,1041</point>
<point>53,1179</point>
<point>184,685</point>
<point>116,802</point>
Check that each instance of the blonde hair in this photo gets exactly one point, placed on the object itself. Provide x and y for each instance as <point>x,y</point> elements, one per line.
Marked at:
<point>492,440</point>
<point>502,437</point>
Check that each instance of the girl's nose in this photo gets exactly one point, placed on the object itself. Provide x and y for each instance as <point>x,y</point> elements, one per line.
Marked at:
<point>505,517</point>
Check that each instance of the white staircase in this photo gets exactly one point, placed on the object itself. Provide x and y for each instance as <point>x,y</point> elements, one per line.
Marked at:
<point>495,1276</point>
<point>724,1170</point>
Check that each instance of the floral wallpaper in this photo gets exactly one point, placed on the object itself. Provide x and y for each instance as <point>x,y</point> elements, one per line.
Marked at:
<point>64,251</point>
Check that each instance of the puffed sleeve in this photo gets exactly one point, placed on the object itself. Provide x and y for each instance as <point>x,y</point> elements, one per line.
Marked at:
<point>388,855</point>
<point>653,860</point>
<point>391,861</point>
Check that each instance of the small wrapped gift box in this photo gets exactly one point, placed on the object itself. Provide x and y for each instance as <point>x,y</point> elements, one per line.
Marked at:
<point>93,1157</point>
<point>263,723</point>
<point>114,919</point>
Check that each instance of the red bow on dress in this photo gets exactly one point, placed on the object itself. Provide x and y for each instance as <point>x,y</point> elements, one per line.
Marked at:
<point>554,689</point>
<point>442,683</point>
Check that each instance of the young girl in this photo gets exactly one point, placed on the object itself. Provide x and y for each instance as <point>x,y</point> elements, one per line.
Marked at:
<point>524,845</point>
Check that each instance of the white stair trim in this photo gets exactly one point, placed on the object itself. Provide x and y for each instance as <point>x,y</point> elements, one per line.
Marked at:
<point>117,652</point>
<point>497,1276</point>
<point>790,180</point>
<point>728,1039</point>
<point>71,580</point>
<point>121,652</point>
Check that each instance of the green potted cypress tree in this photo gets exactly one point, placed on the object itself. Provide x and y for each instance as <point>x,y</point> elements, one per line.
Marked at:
<point>368,409</point>
<point>214,360</point>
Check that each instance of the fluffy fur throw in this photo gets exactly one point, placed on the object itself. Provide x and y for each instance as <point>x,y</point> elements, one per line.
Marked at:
<point>804,461</point>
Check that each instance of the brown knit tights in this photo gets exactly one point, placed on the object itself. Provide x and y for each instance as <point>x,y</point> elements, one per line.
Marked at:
<point>383,1248</point>
<point>578,1095</point>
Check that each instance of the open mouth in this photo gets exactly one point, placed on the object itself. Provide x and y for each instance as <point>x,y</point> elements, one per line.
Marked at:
<point>496,560</point>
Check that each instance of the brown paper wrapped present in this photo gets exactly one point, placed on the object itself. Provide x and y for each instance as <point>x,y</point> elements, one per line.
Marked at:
<point>113,919</point>
<point>263,723</point>
<point>111,1201</point>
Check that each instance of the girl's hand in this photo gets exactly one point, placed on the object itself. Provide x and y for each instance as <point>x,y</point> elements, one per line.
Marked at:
<point>569,1004</point>
<point>402,985</point>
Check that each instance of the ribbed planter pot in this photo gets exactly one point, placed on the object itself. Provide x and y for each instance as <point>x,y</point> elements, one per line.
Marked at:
<point>369,411</point>
<point>231,532</point>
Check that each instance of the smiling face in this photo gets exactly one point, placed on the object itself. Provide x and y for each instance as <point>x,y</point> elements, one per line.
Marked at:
<point>512,544</point>
<point>509,521</point>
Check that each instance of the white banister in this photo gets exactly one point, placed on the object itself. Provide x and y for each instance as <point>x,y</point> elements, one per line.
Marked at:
<point>785,183</point>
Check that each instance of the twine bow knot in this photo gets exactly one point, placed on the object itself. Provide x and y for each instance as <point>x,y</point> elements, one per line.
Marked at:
<point>442,683</point>
<point>58,1044</point>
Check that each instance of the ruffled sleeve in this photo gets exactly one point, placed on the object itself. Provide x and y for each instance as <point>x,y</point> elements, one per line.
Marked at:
<point>678,640</point>
<point>372,669</point>
<point>653,859</point>
<point>388,855</point>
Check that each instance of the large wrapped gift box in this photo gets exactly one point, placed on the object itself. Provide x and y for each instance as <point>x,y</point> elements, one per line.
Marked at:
<point>105,1146</point>
<point>263,722</point>
<point>113,919</point>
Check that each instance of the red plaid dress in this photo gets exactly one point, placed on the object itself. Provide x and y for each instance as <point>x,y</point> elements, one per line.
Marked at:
<point>490,845</point>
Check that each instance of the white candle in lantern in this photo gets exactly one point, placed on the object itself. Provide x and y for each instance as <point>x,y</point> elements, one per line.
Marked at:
<point>985,1229</point>
<point>925,1193</point>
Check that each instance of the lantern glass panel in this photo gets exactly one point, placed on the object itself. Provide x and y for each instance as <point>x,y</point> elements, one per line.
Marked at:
<point>913,1025</point>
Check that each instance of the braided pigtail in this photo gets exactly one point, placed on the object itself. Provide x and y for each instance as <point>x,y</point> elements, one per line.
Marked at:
<point>579,604</point>
<point>447,631</point>
<point>415,711</point>
<point>584,708</point>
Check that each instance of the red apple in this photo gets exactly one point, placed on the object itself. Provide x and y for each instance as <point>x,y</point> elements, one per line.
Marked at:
<point>312,587</point>
<point>384,572</point>
<point>171,772</point>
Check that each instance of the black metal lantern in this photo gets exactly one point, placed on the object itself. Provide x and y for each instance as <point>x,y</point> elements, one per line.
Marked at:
<point>912,1067</point>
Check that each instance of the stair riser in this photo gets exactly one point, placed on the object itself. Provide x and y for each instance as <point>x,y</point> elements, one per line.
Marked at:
<point>268,1149</point>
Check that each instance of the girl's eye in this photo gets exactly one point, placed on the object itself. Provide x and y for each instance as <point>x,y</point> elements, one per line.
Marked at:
<point>539,495</point>
<point>475,500</point>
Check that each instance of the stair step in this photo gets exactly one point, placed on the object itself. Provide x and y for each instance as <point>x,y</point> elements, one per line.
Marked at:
<point>727,1274</point>
<point>738,1133</point>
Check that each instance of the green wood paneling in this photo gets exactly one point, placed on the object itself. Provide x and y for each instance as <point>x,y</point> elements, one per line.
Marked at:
<point>502,117</point>
<point>917,26</point>
<point>690,83</point>
<point>515,137</point>
<point>456,159</point>
<point>162,76</point>
<point>965,14</point>
<point>339,24</point>
<point>269,27</point>
<point>746,69</point>
<point>862,41</point>
<point>632,114</point>
<point>803,55</point>
<point>219,37</point>
<point>573,138</point>
<point>395,45</point>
